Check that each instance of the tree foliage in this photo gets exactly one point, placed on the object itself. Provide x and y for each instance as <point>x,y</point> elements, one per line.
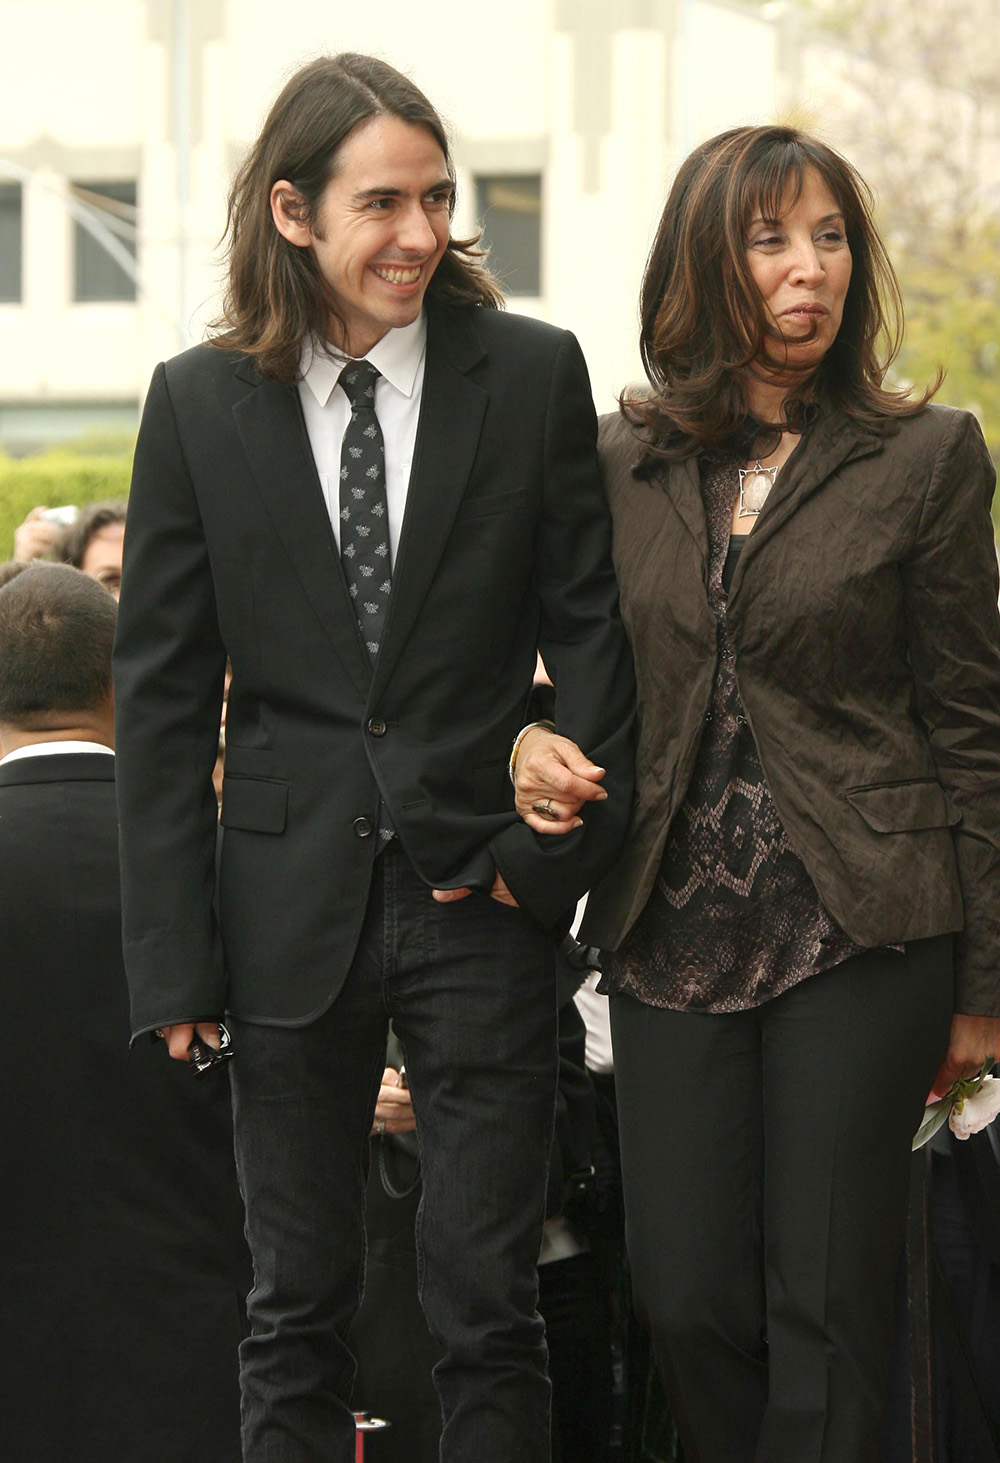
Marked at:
<point>53,479</point>
<point>916,103</point>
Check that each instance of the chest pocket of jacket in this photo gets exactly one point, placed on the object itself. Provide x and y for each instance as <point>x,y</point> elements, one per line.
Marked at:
<point>254,804</point>
<point>903,807</point>
<point>489,503</point>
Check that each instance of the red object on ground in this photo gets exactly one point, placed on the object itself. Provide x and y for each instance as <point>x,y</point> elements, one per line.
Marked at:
<point>365,1423</point>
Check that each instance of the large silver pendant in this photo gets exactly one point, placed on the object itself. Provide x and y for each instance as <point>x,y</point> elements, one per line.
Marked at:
<point>755,484</point>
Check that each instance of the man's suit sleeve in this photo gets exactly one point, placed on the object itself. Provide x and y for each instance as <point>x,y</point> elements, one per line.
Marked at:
<point>585,651</point>
<point>169,672</point>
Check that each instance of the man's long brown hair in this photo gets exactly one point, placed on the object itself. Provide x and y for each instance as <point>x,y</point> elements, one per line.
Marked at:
<point>275,296</point>
<point>703,319</point>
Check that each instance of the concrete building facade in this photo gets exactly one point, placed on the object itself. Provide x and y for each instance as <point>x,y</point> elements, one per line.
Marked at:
<point>568,117</point>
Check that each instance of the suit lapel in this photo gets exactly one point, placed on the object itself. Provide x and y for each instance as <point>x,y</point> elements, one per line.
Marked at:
<point>452,409</point>
<point>270,425</point>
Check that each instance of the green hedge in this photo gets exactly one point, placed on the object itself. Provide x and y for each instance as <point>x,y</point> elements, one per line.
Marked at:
<point>53,479</point>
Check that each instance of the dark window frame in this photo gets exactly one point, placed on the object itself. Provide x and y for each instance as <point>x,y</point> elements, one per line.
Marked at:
<point>12,239</point>
<point>97,278</point>
<point>515,238</point>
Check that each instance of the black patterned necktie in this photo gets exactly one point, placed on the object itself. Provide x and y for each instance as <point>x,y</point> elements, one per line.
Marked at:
<point>364,516</point>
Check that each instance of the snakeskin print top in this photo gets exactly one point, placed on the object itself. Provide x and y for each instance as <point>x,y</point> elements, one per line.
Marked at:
<point>733,918</point>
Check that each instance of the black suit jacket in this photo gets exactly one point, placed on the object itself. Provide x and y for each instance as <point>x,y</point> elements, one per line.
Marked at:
<point>505,547</point>
<point>124,1263</point>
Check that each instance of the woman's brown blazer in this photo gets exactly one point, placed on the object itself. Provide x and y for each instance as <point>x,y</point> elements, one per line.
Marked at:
<point>863,616</point>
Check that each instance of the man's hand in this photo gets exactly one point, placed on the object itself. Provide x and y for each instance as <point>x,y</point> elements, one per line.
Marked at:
<point>179,1038</point>
<point>35,537</point>
<point>499,892</point>
<point>394,1108</point>
<point>973,1039</point>
<point>553,773</point>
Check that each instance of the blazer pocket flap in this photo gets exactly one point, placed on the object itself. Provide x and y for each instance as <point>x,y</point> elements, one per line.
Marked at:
<point>255,804</point>
<point>478,507</point>
<point>900,807</point>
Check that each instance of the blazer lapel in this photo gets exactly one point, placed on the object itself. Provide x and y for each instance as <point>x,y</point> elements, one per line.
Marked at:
<point>271,428</point>
<point>452,409</point>
<point>833,441</point>
<point>681,482</point>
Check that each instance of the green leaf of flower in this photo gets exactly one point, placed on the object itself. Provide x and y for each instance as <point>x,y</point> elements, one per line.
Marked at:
<point>935,1117</point>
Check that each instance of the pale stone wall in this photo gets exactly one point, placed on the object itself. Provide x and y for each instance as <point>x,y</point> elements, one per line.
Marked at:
<point>602,100</point>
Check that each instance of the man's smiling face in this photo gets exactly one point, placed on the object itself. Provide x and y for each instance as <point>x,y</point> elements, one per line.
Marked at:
<point>380,229</point>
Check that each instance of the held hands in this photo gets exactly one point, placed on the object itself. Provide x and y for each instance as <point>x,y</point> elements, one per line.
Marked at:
<point>394,1108</point>
<point>552,772</point>
<point>973,1040</point>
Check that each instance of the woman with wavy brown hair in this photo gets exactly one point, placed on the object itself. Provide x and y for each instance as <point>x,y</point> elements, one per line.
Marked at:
<point>811,887</point>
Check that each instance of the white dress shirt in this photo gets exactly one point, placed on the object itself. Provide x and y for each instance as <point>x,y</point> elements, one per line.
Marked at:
<point>399,356</point>
<point>48,749</point>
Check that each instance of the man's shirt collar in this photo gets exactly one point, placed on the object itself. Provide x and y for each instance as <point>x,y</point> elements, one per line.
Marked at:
<point>397,356</point>
<point>49,749</point>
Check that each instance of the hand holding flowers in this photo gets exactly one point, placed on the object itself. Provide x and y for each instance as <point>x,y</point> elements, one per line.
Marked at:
<point>968,1106</point>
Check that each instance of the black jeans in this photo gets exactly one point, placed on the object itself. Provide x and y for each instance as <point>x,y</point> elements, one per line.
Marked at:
<point>470,987</point>
<point>766,1161</point>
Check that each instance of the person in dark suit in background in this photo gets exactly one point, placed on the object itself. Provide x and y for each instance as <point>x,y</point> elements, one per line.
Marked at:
<point>124,1263</point>
<point>378,494</point>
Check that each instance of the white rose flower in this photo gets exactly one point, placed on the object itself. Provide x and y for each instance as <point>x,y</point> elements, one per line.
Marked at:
<point>972,1114</point>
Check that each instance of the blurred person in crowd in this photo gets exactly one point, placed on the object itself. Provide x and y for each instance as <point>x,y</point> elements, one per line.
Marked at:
<point>94,542</point>
<point>380,592</point>
<point>124,1262</point>
<point>396,1352</point>
<point>90,539</point>
<point>802,937</point>
<point>219,770</point>
<point>948,1307</point>
<point>41,534</point>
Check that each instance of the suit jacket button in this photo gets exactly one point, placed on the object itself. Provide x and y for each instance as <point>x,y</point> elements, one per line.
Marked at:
<point>376,727</point>
<point>363,827</point>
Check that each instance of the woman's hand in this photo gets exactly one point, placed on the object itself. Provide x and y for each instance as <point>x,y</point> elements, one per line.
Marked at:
<point>552,772</point>
<point>35,537</point>
<point>973,1039</point>
<point>394,1108</point>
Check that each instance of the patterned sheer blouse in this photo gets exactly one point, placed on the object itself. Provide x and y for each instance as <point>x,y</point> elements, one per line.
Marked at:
<point>733,918</point>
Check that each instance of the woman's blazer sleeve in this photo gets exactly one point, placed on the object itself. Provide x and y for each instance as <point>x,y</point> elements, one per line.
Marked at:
<point>953,629</point>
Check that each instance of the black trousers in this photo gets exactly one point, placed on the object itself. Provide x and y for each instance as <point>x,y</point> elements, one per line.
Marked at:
<point>765,1158</point>
<point>470,987</point>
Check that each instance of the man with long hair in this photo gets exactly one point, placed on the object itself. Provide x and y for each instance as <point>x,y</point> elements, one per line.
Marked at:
<point>378,494</point>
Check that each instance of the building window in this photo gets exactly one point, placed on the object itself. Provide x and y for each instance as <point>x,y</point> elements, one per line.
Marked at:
<point>96,276</point>
<point>509,209</point>
<point>10,243</point>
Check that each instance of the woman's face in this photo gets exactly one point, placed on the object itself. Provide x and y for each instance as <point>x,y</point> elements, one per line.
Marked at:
<point>801,263</point>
